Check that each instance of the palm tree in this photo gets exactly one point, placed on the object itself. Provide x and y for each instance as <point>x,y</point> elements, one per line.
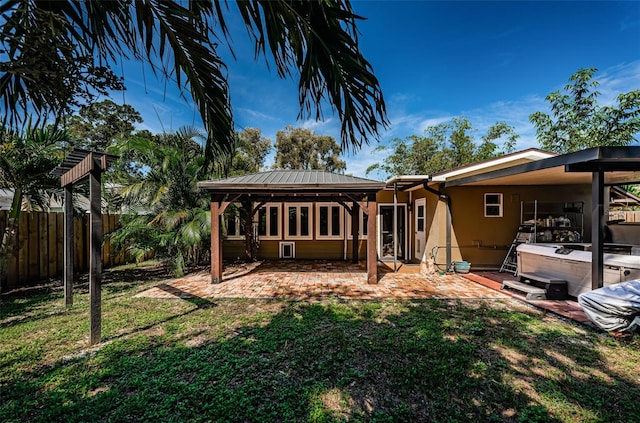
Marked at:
<point>168,216</point>
<point>315,39</point>
<point>26,160</point>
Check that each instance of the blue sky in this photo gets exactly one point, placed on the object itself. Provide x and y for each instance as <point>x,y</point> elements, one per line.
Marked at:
<point>435,60</point>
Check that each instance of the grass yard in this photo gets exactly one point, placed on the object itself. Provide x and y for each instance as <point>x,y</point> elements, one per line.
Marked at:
<point>260,361</point>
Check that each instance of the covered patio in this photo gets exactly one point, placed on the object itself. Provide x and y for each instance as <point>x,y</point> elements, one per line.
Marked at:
<point>295,186</point>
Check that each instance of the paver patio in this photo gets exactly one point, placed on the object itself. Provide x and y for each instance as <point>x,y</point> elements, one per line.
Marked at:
<point>309,280</point>
<point>319,280</point>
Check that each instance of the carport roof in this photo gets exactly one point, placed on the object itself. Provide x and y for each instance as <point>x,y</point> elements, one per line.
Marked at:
<point>620,164</point>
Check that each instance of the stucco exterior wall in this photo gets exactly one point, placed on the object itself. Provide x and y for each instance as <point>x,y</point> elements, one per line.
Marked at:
<point>484,241</point>
<point>481,240</point>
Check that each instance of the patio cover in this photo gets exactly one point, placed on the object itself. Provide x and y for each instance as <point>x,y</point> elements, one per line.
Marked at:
<point>598,166</point>
<point>294,186</point>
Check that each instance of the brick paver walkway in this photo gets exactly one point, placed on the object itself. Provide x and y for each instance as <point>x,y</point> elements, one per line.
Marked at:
<point>316,280</point>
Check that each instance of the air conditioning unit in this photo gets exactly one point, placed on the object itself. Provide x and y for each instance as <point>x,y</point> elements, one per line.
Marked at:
<point>287,250</point>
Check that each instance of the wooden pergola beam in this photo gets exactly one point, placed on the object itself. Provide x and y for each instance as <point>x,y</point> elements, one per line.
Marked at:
<point>80,171</point>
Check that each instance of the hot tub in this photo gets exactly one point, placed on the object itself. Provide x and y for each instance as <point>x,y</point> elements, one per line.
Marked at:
<point>574,265</point>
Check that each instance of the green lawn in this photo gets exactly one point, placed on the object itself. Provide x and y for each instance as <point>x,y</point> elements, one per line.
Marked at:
<point>250,360</point>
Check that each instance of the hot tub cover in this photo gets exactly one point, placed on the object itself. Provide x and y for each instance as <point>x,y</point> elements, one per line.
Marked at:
<point>614,307</point>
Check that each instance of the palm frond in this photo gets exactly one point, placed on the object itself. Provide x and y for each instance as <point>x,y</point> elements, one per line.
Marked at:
<point>319,40</point>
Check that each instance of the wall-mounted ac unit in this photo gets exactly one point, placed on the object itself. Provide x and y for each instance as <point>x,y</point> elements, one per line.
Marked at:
<point>288,250</point>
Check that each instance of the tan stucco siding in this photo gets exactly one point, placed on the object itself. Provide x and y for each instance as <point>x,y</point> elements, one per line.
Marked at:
<point>233,250</point>
<point>311,250</point>
<point>268,250</point>
<point>484,241</point>
<point>326,249</point>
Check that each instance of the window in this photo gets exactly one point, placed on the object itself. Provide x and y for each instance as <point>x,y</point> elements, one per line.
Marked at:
<point>298,221</point>
<point>269,221</point>
<point>362,231</point>
<point>234,226</point>
<point>329,221</point>
<point>493,205</point>
<point>420,217</point>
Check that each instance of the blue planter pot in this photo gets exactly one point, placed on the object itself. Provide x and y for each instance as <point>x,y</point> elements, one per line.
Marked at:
<point>461,266</point>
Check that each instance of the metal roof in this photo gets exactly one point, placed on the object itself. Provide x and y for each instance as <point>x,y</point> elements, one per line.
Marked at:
<point>292,180</point>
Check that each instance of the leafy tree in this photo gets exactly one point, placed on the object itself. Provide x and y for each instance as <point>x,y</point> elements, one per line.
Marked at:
<point>26,160</point>
<point>489,149</point>
<point>444,146</point>
<point>578,121</point>
<point>302,148</point>
<point>169,215</point>
<point>251,151</point>
<point>96,125</point>
<point>44,68</point>
<point>316,40</point>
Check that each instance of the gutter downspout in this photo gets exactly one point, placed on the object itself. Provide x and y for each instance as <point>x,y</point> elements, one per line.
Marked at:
<point>444,197</point>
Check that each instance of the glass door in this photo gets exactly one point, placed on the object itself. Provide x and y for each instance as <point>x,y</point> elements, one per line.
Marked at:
<point>387,247</point>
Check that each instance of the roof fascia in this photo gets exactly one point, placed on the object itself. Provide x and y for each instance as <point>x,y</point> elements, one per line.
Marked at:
<point>533,154</point>
<point>550,162</point>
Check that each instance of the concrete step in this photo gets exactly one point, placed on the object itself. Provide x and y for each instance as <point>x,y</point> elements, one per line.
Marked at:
<point>533,292</point>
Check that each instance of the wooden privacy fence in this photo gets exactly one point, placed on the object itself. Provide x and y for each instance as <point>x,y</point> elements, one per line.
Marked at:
<point>39,246</point>
<point>627,215</point>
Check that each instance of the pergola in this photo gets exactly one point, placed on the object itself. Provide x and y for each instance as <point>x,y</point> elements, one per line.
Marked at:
<point>76,167</point>
<point>296,186</point>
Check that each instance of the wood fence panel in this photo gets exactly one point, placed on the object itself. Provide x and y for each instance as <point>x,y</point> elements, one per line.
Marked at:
<point>12,275</point>
<point>78,244</point>
<point>105,242</point>
<point>52,250</point>
<point>43,245</point>
<point>632,216</point>
<point>34,250</point>
<point>60,243</point>
<point>118,258</point>
<point>22,240</point>
<point>39,247</point>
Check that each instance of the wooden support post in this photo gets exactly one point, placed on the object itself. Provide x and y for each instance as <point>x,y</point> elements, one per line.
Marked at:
<point>597,230</point>
<point>216,243</point>
<point>68,245</point>
<point>355,226</point>
<point>95,258</point>
<point>372,253</point>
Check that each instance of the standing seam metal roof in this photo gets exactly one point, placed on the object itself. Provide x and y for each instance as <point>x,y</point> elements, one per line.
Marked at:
<point>291,177</point>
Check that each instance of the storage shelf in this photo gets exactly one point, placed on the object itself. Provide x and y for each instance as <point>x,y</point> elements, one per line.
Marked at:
<point>554,222</point>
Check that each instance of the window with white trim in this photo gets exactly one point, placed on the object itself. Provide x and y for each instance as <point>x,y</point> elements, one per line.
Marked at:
<point>363,222</point>
<point>493,204</point>
<point>269,222</point>
<point>329,221</point>
<point>297,221</point>
<point>234,226</point>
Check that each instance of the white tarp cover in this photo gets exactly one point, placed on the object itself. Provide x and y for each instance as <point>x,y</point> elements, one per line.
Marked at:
<point>614,307</point>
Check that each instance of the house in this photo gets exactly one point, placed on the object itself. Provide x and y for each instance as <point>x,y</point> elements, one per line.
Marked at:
<point>470,213</point>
